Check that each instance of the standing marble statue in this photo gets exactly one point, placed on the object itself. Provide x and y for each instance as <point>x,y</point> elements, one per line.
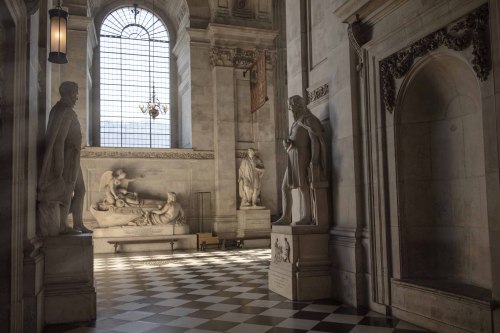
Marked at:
<point>249,180</point>
<point>306,163</point>
<point>61,188</point>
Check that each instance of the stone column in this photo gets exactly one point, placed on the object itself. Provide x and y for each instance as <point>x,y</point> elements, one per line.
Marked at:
<point>224,149</point>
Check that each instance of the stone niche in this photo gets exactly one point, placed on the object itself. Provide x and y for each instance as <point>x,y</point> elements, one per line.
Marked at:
<point>441,192</point>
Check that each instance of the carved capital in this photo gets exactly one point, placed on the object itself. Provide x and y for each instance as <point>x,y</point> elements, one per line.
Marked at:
<point>471,29</point>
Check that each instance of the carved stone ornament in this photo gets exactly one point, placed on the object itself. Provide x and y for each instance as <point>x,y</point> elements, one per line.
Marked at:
<point>32,6</point>
<point>358,34</point>
<point>469,30</point>
<point>236,57</point>
<point>160,154</point>
<point>317,94</point>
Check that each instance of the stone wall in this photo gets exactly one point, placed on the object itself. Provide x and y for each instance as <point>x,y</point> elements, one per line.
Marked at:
<point>367,244</point>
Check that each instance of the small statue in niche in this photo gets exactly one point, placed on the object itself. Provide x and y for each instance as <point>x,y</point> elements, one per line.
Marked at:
<point>116,186</point>
<point>170,213</point>
<point>249,180</point>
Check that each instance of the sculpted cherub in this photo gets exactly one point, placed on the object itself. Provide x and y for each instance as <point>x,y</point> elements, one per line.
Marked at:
<point>116,186</point>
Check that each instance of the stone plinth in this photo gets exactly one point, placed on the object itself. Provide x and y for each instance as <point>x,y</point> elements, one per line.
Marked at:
<point>147,232</point>
<point>458,313</point>
<point>69,279</point>
<point>254,222</point>
<point>300,266</point>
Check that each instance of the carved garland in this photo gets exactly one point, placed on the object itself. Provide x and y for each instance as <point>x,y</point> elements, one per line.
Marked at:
<point>317,94</point>
<point>236,57</point>
<point>471,29</point>
<point>107,153</point>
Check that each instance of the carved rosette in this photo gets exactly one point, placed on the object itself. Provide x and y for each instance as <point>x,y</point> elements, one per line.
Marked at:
<point>317,94</point>
<point>113,153</point>
<point>469,30</point>
<point>237,57</point>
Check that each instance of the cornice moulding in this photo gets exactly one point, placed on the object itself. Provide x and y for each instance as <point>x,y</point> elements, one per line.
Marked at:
<point>244,37</point>
<point>82,23</point>
<point>165,154</point>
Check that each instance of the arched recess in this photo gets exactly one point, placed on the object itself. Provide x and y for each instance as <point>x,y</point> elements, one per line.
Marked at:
<point>441,182</point>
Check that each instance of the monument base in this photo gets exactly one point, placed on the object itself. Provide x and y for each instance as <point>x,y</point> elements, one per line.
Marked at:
<point>253,223</point>
<point>300,267</point>
<point>69,279</point>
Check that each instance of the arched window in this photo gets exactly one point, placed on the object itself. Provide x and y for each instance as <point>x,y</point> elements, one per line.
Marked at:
<point>134,61</point>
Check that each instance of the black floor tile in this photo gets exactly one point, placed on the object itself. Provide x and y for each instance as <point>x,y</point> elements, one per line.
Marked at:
<point>379,322</point>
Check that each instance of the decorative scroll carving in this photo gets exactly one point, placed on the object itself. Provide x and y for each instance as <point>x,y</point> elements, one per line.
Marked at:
<point>160,154</point>
<point>317,94</point>
<point>469,30</point>
<point>236,57</point>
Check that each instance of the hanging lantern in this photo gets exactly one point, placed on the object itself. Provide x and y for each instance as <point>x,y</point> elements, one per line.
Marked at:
<point>58,28</point>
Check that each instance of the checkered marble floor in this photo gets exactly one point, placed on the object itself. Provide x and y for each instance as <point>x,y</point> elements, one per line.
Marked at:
<point>216,291</point>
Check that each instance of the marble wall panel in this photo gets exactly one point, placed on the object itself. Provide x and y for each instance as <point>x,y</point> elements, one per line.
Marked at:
<point>452,254</point>
<point>414,152</point>
<point>473,145</point>
<point>244,118</point>
<point>480,270</point>
<point>420,251</point>
<point>340,107</point>
<point>292,20</point>
<point>447,149</point>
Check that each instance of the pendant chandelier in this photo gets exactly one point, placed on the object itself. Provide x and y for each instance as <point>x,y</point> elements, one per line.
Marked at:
<point>153,107</point>
<point>58,30</point>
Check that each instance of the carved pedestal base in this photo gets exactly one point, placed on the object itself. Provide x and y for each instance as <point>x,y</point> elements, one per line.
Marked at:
<point>300,267</point>
<point>69,279</point>
<point>254,223</point>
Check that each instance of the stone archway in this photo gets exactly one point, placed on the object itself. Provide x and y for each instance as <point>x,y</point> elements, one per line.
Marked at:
<point>441,177</point>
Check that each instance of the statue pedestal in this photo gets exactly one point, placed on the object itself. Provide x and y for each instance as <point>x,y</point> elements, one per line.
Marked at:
<point>253,223</point>
<point>300,266</point>
<point>69,279</point>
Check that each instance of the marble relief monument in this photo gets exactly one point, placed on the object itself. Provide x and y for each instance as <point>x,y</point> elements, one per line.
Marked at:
<point>300,266</point>
<point>253,218</point>
<point>125,214</point>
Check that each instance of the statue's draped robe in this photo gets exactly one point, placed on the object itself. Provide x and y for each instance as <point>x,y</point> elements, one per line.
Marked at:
<point>63,129</point>
<point>306,129</point>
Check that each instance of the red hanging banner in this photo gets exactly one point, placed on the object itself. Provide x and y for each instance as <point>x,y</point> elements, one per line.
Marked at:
<point>258,86</point>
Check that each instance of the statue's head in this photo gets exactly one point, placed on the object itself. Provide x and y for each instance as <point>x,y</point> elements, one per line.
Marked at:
<point>69,92</point>
<point>120,174</point>
<point>297,105</point>
<point>171,196</point>
<point>251,152</point>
